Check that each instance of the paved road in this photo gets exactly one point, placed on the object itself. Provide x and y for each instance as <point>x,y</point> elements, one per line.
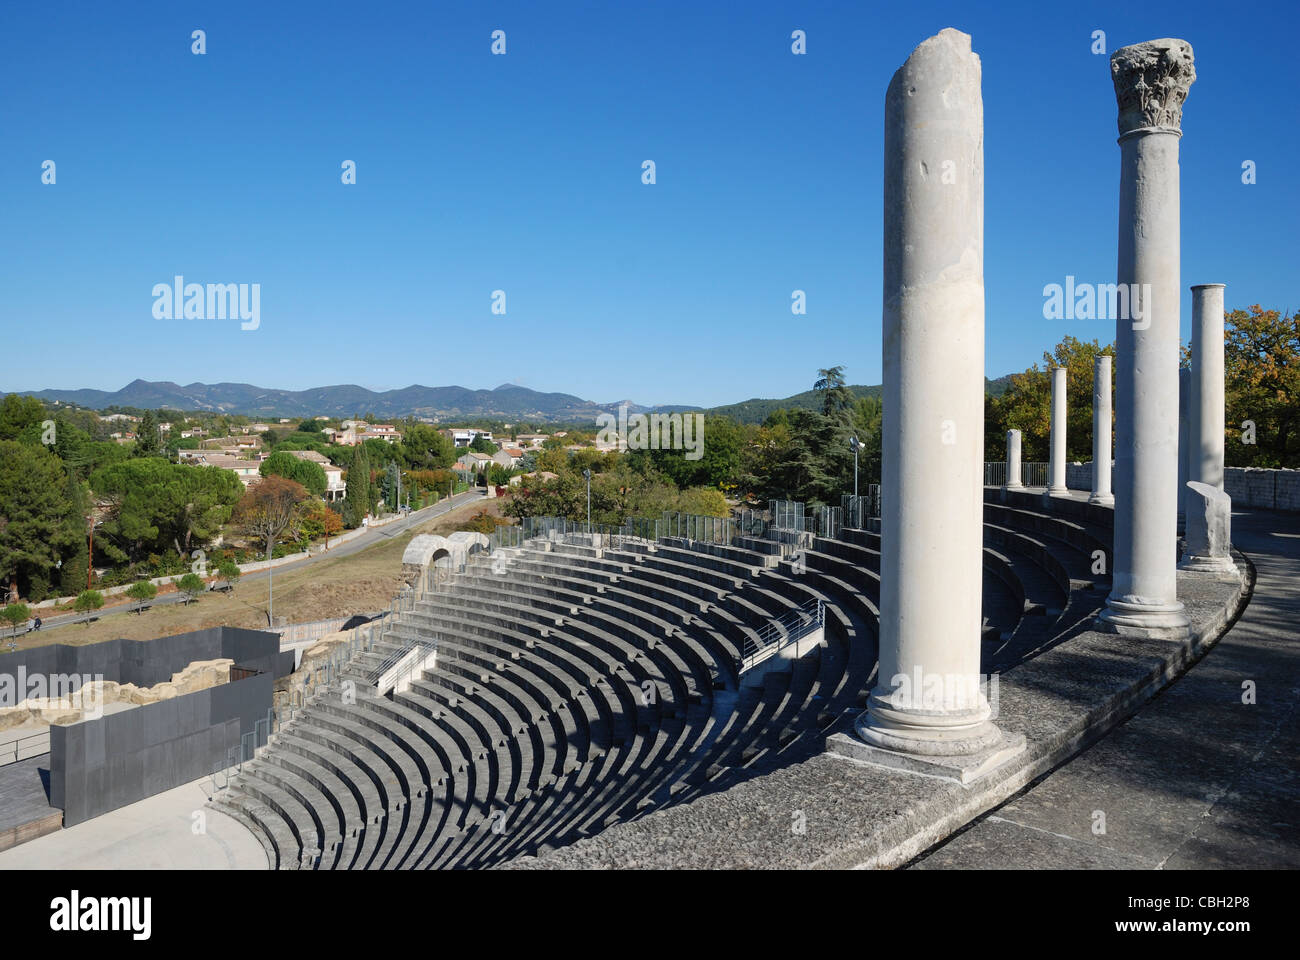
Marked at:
<point>1197,779</point>
<point>371,537</point>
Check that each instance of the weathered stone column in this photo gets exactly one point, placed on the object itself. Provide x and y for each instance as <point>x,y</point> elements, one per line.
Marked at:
<point>927,710</point>
<point>1056,469</point>
<point>1101,415</point>
<point>1151,82</point>
<point>1208,517</point>
<point>1013,461</point>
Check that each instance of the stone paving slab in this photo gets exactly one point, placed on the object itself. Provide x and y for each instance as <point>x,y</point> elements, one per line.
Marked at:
<point>1198,779</point>
<point>154,833</point>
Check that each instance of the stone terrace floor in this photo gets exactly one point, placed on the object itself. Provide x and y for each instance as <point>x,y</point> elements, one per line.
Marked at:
<point>1196,779</point>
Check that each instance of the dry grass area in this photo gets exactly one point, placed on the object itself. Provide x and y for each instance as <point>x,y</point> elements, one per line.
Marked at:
<point>362,582</point>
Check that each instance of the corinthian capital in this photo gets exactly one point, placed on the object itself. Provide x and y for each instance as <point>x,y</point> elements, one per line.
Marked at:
<point>1151,83</point>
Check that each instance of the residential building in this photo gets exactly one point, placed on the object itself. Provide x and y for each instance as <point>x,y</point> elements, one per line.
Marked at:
<point>335,488</point>
<point>463,436</point>
<point>246,470</point>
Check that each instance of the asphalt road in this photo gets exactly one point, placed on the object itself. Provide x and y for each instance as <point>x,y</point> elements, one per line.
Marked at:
<point>371,537</point>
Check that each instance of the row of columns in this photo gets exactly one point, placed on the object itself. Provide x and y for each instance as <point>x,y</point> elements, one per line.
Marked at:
<point>928,706</point>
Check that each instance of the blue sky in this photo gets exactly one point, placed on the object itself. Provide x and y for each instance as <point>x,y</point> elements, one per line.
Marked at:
<point>523,173</point>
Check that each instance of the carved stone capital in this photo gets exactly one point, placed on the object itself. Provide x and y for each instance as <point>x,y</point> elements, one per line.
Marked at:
<point>1151,82</point>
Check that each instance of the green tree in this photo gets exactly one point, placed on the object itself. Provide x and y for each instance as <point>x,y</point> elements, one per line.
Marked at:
<point>481,444</point>
<point>21,417</point>
<point>15,614</point>
<point>148,442</point>
<point>191,585</point>
<point>283,464</point>
<point>88,601</point>
<point>836,397</point>
<point>1261,355</point>
<point>72,539</point>
<point>228,572</point>
<point>356,497</point>
<point>424,447</point>
<point>33,513</point>
<point>142,591</point>
<point>155,505</point>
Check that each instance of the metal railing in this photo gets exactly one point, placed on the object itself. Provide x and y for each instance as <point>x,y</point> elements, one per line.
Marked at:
<point>10,751</point>
<point>405,648</point>
<point>780,633</point>
<point>1032,474</point>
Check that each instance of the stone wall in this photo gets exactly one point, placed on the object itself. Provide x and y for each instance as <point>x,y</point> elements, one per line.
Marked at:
<point>1259,487</point>
<point>1248,486</point>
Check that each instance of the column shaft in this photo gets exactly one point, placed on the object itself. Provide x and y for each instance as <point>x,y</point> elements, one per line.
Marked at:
<point>1014,481</point>
<point>1056,479</point>
<point>1101,446</point>
<point>927,700</point>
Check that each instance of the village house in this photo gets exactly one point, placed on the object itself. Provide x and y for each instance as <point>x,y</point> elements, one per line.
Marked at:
<point>335,488</point>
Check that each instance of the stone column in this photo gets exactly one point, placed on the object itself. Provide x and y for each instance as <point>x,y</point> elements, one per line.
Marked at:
<point>1013,461</point>
<point>1151,82</point>
<point>1101,433</point>
<point>1056,469</point>
<point>1184,448</point>
<point>927,710</point>
<point>1208,517</point>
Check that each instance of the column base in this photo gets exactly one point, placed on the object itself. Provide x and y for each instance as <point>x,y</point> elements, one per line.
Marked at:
<point>1102,499</point>
<point>1058,491</point>
<point>1013,486</point>
<point>983,751</point>
<point>1163,621</point>
<point>1209,568</point>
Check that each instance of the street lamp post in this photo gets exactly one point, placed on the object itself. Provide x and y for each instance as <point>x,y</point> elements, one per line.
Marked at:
<point>853,442</point>
<point>587,476</point>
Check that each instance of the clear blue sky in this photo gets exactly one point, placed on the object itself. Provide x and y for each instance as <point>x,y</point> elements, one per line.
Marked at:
<point>523,173</point>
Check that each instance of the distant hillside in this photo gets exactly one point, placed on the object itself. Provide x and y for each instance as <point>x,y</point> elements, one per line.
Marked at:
<point>758,410</point>
<point>507,401</point>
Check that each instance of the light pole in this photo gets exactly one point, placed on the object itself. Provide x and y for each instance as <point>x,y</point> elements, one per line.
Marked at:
<point>853,442</point>
<point>587,476</point>
<point>270,582</point>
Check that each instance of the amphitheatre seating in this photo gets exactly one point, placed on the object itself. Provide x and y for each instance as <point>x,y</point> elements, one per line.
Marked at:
<point>579,684</point>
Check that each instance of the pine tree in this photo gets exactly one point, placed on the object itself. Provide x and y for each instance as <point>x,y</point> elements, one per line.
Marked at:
<point>146,438</point>
<point>73,544</point>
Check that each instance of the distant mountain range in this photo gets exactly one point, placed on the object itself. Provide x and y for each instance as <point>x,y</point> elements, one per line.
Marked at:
<point>507,402</point>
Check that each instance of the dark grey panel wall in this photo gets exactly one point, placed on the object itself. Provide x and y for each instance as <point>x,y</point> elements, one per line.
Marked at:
<point>103,764</point>
<point>147,662</point>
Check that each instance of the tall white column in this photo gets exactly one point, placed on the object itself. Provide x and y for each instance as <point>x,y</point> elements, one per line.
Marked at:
<point>927,702</point>
<point>1206,550</point>
<point>1056,469</point>
<point>1151,82</point>
<point>1101,416</point>
<point>1184,448</point>
<point>1013,461</point>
